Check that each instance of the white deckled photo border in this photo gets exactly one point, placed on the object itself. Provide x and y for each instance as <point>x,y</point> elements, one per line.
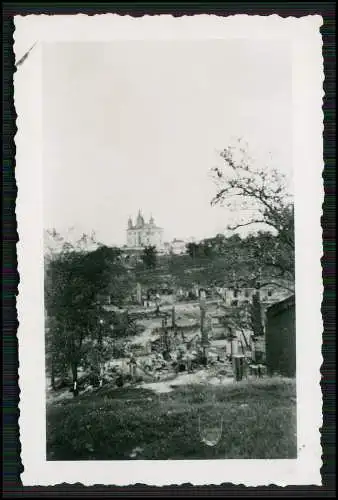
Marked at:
<point>304,36</point>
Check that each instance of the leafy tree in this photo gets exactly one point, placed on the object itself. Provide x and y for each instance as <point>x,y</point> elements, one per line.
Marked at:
<point>273,260</point>
<point>204,249</point>
<point>207,248</point>
<point>56,359</point>
<point>193,249</point>
<point>238,322</point>
<point>261,193</point>
<point>76,280</point>
<point>149,256</point>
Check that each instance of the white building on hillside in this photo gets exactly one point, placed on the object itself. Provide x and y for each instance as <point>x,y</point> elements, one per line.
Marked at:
<point>178,247</point>
<point>142,233</point>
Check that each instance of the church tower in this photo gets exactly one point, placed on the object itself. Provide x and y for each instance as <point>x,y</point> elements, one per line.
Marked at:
<point>139,220</point>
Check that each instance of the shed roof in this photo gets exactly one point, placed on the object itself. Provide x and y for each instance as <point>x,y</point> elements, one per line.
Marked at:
<point>282,305</point>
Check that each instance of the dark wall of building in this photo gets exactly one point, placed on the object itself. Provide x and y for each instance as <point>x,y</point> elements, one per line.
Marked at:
<point>281,338</point>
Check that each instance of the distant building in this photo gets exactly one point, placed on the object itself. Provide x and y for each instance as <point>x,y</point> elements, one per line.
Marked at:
<point>178,247</point>
<point>142,233</point>
<point>234,296</point>
<point>244,295</point>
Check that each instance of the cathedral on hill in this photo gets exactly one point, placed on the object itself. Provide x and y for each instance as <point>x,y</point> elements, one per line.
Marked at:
<point>143,234</point>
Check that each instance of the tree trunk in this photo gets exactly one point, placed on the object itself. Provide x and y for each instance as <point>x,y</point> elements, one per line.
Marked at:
<point>256,316</point>
<point>166,342</point>
<point>173,317</point>
<point>100,345</point>
<point>100,339</point>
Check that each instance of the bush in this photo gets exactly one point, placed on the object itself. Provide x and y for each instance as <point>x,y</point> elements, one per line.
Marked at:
<point>119,381</point>
<point>119,351</point>
<point>63,383</point>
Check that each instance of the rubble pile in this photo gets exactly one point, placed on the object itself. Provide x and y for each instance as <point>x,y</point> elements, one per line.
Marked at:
<point>183,345</point>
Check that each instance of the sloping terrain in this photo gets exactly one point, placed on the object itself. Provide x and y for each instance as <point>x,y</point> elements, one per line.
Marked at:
<point>249,419</point>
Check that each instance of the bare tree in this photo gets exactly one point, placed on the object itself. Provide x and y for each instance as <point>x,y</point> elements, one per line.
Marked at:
<point>261,194</point>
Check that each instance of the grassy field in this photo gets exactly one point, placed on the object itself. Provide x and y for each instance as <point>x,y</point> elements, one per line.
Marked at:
<point>258,420</point>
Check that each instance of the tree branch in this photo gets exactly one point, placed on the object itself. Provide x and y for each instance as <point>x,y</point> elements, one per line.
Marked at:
<point>255,221</point>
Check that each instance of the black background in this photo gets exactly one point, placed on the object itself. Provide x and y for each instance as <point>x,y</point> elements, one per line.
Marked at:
<point>12,468</point>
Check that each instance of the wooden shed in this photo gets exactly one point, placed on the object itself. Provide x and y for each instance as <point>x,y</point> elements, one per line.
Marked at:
<point>280,337</point>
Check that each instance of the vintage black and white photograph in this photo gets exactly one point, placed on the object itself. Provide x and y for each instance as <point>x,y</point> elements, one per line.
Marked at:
<point>168,214</point>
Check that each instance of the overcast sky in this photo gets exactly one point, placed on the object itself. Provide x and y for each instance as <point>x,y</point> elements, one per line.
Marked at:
<point>137,125</point>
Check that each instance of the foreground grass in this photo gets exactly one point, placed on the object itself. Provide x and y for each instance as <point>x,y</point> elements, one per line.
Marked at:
<point>258,421</point>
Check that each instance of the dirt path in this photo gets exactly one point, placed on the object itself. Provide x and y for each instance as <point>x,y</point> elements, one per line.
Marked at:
<point>199,377</point>
<point>179,306</point>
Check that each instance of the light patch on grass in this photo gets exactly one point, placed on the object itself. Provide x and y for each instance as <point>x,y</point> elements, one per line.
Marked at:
<point>258,421</point>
